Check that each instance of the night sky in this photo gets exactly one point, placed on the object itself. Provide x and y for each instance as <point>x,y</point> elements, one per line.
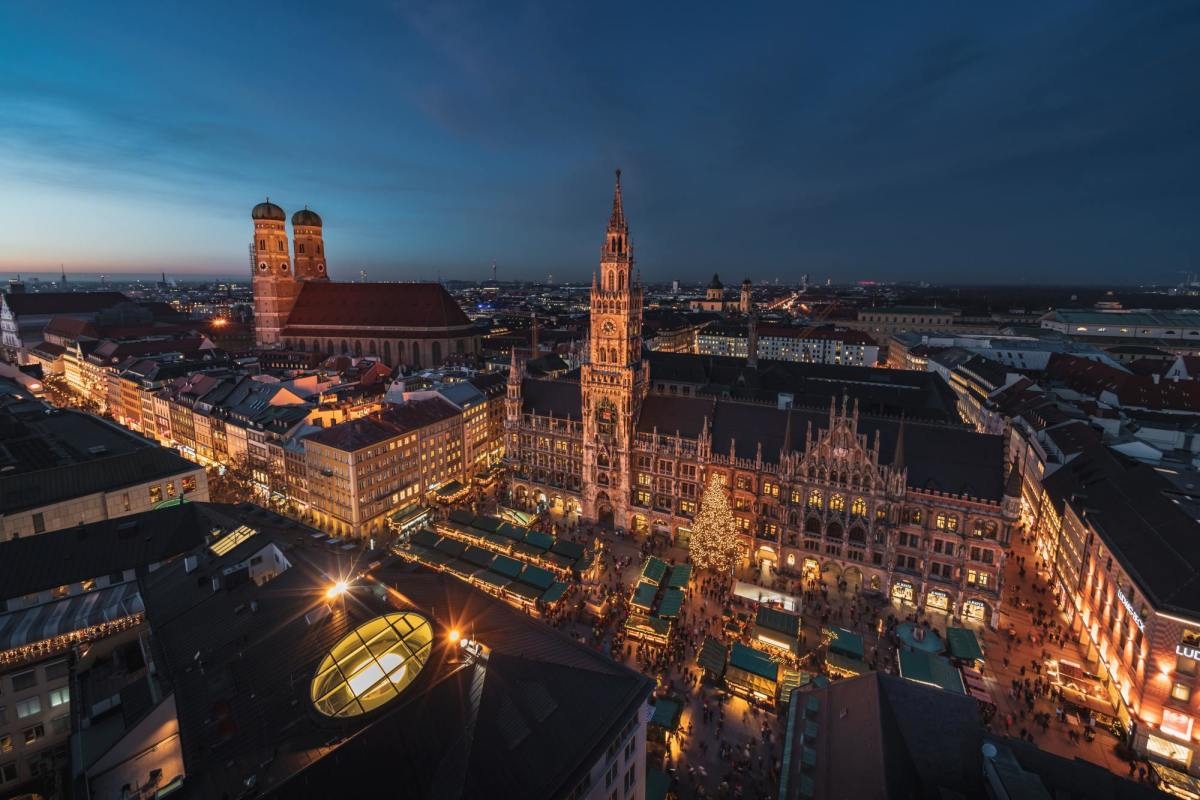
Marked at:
<point>965,142</point>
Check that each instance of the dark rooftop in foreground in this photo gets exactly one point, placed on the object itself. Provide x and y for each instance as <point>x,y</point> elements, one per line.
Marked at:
<point>523,723</point>
<point>48,455</point>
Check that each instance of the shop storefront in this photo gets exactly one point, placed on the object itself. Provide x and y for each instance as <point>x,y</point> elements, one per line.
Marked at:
<point>975,610</point>
<point>937,600</point>
<point>903,592</point>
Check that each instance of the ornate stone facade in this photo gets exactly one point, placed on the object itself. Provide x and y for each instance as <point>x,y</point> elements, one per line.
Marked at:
<point>825,492</point>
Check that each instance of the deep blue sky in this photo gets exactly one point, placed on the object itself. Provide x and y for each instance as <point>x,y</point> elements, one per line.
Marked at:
<point>961,141</point>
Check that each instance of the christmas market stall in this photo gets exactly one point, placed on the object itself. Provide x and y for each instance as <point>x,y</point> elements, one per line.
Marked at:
<point>777,629</point>
<point>844,657</point>
<point>751,674</point>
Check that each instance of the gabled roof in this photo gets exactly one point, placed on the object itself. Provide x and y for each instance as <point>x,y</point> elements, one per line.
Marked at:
<point>392,305</point>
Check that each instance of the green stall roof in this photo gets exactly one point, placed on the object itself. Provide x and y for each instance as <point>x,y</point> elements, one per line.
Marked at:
<point>558,559</point>
<point>712,656</point>
<point>922,667</point>
<point>779,621</point>
<point>654,570</point>
<point>847,643</point>
<point>554,593</point>
<point>489,524</point>
<point>461,517</point>
<point>661,627</point>
<point>506,566</point>
<point>680,575</point>
<point>671,603</point>
<point>450,489</point>
<point>667,713</point>
<point>658,783</point>
<point>538,539</point>
<point>963,644</point>
<point>425,538</point>
<point>524,590</point>
<point>537,577</point>
<point>566,547</point>
<point>451,547</point>
<point>493,579</point>
<point>752,661</point>
<point>643,595</point>
<point>511,531</point>
<point>478,556</point>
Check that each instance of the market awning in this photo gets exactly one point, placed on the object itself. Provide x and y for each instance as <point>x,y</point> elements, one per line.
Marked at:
<point>712,656</point>
<point>538,539</point>
<point>643,595</point>
<point>450,489</point>
<point>554,593</point>
<point>425,538</point>
<point>658,783</point>
<point>506,566</point>
<point>671,603</point>
<point>753,661</point>
<point>654,570</point>
<point>565,547</point>
<point>667,713</point>
<point>963,644</point>
<point>478,556</point>
<point>511,531</point>
<point>524,591</point>
<point>680,575</point>
<point>923,667</point>
<point>846,642</point>
<point>461,516</point>
<point>640,624</point>
<point>493,579</point>
<point>844,664</point>
<point>778,621</point>
<point>538,577</point>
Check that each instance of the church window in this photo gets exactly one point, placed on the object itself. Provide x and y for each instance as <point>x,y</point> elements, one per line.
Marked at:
<point>837,503</point>
<point>620,281</point>
<point>320,267</point>
<point>262,244</point>
<point>319,253</point>
<point>262,267</point>
<point>387,352</point>
<point>859,507</point>
<point>345,346</point>
<point>300,247</point>
<point>437,354</point>
<point>279,245</point>
<point>416,354</point>
<point>814,499</point>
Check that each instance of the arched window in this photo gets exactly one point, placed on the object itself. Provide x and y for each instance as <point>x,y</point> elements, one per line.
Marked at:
<point>358,348</point>
<point>837,503</point>
<point>437,354</point>
<point>316,348</point>
<point>946,522</point>
<point>279,245</point>
<point>791,559</point>
<point>814,499</point>
<point>318,249</point>
<point>300,247</point>
<point>262,244</point>
<point>612,356</point>
<point>416,354</point>
<point>345,346</point>
<point>387,352</point>
<point>620,281</point>
<point>329,347</point>
<point>460,346</point>
<point>833,531</point>
<point>859,507</point>
<point>914,516</point>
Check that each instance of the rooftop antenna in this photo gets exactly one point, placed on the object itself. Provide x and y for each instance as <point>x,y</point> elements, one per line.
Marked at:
<point>493,272</point>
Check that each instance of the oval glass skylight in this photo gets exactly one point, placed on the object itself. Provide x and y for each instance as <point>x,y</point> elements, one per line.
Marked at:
<point>372,665</point>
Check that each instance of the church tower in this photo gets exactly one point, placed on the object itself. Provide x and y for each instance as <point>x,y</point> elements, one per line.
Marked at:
<point>309,245</point>
<point>613,377</point>
<point>273,284</point>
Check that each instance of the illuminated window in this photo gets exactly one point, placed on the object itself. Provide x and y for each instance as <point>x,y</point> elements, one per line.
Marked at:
<point>372,665</point>
<point>814,499</point>
<point>156,495</point>
<point>859,507</point>
<point>837,503</point>
<point>1181,692</point>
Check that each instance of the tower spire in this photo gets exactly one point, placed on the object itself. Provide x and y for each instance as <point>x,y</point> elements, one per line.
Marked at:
<point>617,221</point>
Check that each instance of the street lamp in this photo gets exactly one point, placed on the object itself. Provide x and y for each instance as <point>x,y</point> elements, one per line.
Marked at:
<point>336,590</point>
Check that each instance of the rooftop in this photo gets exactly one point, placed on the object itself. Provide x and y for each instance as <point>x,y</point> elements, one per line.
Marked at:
<point>241,660</point>
<point>387,305</point>
<point>49,455</point>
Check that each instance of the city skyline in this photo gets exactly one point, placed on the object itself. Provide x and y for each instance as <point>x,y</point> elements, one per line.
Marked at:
<point>952,145</point>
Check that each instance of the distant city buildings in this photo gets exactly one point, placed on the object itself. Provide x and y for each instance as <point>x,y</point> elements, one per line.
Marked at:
<point>821,345</point>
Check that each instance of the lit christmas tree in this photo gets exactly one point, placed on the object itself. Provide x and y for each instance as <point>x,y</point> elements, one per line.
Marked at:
<point>714,544</point>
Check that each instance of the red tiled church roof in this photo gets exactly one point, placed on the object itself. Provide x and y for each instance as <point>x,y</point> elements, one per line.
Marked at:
<point>397,305</point>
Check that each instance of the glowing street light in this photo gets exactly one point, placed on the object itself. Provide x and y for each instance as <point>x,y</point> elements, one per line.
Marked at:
<point>454,635</point>
<point>336,590</point>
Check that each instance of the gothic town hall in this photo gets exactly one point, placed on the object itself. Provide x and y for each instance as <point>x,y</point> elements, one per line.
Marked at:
<point>861,474</point>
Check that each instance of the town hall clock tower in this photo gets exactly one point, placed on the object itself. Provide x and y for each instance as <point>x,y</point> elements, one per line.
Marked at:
<point>614,377</point>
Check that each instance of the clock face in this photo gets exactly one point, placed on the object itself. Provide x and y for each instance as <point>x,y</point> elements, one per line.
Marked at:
<point>608,326</point>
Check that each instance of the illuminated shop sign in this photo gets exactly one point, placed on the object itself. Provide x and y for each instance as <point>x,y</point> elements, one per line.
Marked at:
<point>1176,724</point>
<point>1129,607</point>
